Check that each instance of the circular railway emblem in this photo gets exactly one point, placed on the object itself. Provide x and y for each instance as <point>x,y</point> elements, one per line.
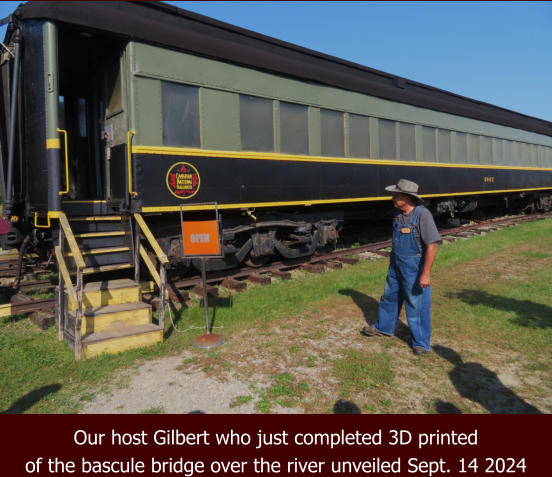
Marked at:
<point>183,180</point>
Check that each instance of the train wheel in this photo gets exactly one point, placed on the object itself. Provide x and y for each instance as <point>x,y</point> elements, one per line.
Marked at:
<point>256,262</point>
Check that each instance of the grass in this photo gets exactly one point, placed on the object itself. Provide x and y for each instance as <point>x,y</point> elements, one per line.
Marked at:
<point>154,410</point>
<point>359,371</point>
<point>492,311</point>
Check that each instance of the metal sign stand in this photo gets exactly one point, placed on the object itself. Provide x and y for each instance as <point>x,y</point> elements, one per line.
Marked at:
<point>207,340</point>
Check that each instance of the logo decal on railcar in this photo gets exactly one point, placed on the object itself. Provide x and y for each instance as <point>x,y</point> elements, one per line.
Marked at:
<point>183,180</point>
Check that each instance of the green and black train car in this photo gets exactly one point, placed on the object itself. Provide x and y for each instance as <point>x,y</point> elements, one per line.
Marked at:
<point>117,108</point>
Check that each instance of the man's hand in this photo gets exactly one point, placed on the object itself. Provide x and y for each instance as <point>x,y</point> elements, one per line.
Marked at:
<point>425,280</point>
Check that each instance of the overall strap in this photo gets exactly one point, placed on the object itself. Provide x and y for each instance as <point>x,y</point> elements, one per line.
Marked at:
<point>416,214</point>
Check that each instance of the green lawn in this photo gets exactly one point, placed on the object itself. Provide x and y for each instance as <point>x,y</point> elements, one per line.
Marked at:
<point>492,337</point>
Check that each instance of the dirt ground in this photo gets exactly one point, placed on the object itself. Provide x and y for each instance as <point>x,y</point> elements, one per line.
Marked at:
<point>240,376</point>
<point>317,361</point>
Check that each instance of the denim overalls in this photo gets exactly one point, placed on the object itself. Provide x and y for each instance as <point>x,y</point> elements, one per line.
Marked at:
<point>405,266</point>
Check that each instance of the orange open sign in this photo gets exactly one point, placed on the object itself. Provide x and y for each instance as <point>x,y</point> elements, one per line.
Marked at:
<point>201,238</point>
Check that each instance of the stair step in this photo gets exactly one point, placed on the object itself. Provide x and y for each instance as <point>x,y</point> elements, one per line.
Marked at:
<point>96,218</point>
<point>108,292</point>
<point>105,259</point>
<point>106,268</point>
<point>115,341</point>
<point>112,317</point>
<point>100,241</point>
<point>96,224</point>
<point>100,234</point>
<point>90,227</point>
<point>98,251</point>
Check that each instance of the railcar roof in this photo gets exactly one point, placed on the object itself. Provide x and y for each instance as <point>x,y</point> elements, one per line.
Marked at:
<point>162,24</point>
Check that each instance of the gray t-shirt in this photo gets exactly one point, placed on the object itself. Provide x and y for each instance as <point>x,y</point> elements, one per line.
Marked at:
<point>425,229</point>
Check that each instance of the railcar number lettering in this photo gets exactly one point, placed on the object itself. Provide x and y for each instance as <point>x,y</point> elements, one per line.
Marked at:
<point>488,179</point>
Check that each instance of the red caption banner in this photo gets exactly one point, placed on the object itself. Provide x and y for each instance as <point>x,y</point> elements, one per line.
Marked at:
<point>333,445</point>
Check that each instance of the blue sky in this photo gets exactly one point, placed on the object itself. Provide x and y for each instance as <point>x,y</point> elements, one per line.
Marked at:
<point>497,52</point>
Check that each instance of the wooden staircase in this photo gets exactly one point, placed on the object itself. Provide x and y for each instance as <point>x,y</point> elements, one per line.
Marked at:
<point>105,243</point>
<point>105,316</point>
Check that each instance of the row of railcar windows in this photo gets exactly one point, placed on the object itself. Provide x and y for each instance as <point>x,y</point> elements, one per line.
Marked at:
<point>396,140</point>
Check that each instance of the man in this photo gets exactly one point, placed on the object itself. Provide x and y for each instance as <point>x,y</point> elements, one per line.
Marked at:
<point>415,238</point>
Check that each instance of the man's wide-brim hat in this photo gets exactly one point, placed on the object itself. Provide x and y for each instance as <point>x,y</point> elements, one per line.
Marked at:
<point>405,187</point>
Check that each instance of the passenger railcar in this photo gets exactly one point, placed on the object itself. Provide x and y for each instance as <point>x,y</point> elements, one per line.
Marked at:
<point>115,108</point>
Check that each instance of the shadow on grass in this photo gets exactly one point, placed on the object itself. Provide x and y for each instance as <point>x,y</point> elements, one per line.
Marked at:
<point>529,314</point>
<point>178,315</point>
<point>15,318</point>
<point>345,407</point>
<point>443,407</point>
<point>477,383</point>
<point>30,399</point>
<point>369,307</point>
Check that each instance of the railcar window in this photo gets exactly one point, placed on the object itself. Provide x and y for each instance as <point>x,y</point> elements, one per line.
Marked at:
<point>115,103</point>
<point>387,139</point>
<point>359,135</point>
<point>461,147</point>
<point>180,115</point>
<point>516,154</point>
<point>407,142</point>
<point>444,145</point>
<point>430,154</point>
<point>525,154</point>
<point>498,148</point>
<point>474,148</point>
<point>548,157</point>
<point>540,155</point>
<point>486,150</point>
<point>534,155</point>
<point>256,123</point>
<point>294,128</point>
<point>332,130</point>
<point>507,152</point>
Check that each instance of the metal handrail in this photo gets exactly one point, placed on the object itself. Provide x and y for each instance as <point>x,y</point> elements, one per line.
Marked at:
<point>129,163</point>
<point>66,191</point>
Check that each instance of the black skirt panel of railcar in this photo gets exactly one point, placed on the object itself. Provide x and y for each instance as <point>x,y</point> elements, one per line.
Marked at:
<point>167,180</point>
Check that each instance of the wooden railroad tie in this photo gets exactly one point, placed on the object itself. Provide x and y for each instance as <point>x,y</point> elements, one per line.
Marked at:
<point>281,274</point>
<point>233,284</point>
<point>334,265</point>
<point>43,320</point>
<point>211,290</point>
<point>347,260</point>
<point>176,295</point>
<point>259,279</point>
<point>313,267</point>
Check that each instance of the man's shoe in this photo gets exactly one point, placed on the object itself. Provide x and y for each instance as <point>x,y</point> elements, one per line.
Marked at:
<point>418,351</point>
<point>370,331</point>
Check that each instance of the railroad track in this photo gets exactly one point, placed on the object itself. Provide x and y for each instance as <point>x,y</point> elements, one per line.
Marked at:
<point>179,288</point>
<point>233,279</point>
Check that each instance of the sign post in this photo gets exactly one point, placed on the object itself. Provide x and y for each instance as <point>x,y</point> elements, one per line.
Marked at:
<point>201,239</point>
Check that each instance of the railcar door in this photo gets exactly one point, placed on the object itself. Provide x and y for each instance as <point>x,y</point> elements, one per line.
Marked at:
<point>90,99</point>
